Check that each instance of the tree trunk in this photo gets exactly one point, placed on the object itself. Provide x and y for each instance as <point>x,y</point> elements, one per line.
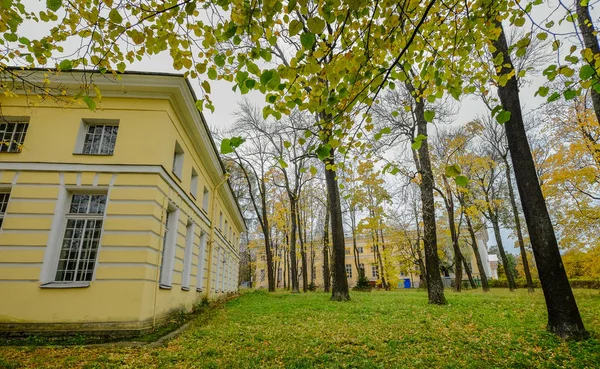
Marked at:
<point>356,255</point>
<point>482,275</point>
<point>284,262</point>
<point>513,204</point>
<point>312,261</point>
<point>302,253</point>
<point>586,27</point>
<point>507,270</point>
<point>456,249</point>
<point>435,287</point>
<point>326,273</point>
<point>293,230</point>
<point>267,235</point>
<point>339,290</point>
<point>563,314</point>
<point>468,271</point>
<point>384,281</point>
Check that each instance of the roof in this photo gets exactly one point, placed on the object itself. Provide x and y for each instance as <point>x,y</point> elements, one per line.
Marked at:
<point>174,86</point>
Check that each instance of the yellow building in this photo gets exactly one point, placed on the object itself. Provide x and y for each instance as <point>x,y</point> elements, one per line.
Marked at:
<point>111,219</point>
<point>368,262</point>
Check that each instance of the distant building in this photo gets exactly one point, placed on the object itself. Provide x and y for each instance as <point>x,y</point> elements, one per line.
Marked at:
<point>111,219</point>
<point>367,256</point>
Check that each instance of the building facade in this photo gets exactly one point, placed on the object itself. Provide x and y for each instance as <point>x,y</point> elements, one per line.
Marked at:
<point>407,273</point>
<point>115,218</point>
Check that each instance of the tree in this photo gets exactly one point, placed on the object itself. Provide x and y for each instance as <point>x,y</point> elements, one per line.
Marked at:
<point>495,137</point>
<point>563,315</point>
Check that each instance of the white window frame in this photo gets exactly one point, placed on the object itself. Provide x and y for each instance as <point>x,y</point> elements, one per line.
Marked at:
<point>187,256</point>
<point>3,204</point>
<point>178,156</point>
<point>22,135</point>
<point>200,266</point>
<point>57,233</point>
<point>83,131</point>
<point>169,247</point>
<point>205,199</point>
<point>348,270</point>
<point>375,271</point>
<point>194,183</point>
<point>360,249</point>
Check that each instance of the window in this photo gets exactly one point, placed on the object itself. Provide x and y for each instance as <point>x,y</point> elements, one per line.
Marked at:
<point>362,267</point>
<point>12,135</point>
<point>200,271</point>
<point>205,200</point>
<point>79,250</point>
<point>187,256</point>
<point>178,160</point>
<point>349,270</point>
<point>100,139</point>
<point>360,249</point>
<point>3,204</point>
<point>347,252</point>
<point>262,275</point>
<point>168,251</point>
<point>194,183</point>
<point>375,271</point>
<point>220,220</point>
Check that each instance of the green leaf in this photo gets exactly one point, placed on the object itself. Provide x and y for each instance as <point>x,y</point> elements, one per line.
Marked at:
<point>315,25</point>
<point>542,91</point>
<point>190,7</point>
<point>89,102</point>
<point>24,40</point>
<point>542,36</point>
<point>586,72</point>
<point>519,22</point>
<point>429,115</point>
<point>307,40</point>
<point>461,181</point>
<point>250,83</point>
<point>115,16</point>
<point>569,94</point>
<point>236,141</point>
<point>266,76</point>
<point>323,151</point>
<point>65,65</point>
<point>313,170</point>
<point>212,73</point>
<point>555,96</point>
<point>452,170</point>
<point>220,60</point>
<point>53,5</point>
<point>503,117</point>
<point>11,37</point>
<point>226,146</point>
<point>416,145</point>
<point>287,144</point>
<point>295,27</point>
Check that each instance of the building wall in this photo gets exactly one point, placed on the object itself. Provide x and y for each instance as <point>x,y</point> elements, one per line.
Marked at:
<point>367,258</point>
<point>140,184</point>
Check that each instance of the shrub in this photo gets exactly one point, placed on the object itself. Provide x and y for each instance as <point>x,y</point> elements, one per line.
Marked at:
<point>363,284</point>
<point>522,283</point>
<point>312,287</point>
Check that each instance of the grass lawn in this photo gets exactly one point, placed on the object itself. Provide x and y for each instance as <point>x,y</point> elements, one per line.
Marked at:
<point>374,330</point>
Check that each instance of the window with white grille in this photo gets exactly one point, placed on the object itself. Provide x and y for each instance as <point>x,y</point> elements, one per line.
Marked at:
<point>360,250</point>
<point>4,196</point>
<point>81,240</point>
<point>100,139</point>
<point>349,270</point>
<point>375,271</point>
<point>12,136</point>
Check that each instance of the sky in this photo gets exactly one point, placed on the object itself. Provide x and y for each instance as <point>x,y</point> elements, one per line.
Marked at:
<point>225,100</point>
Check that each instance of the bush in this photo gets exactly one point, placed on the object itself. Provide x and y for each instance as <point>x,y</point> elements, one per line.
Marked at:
<point>312,287</point>
<point>363,284</point>
<point>522,283</point>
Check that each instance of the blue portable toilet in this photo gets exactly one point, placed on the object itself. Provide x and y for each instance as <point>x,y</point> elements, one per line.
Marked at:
<point>406,282</point>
